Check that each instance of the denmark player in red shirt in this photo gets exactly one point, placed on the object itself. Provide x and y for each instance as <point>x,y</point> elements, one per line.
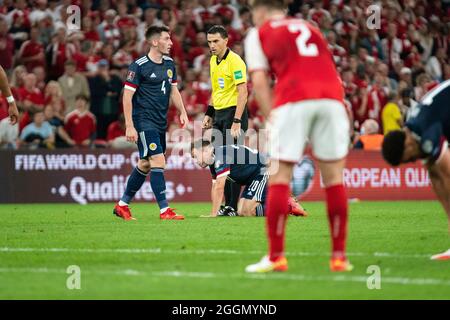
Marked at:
<point>306,104</point>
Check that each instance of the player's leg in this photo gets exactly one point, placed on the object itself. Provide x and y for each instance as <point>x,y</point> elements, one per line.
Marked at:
<point>330,141</point>
<point>286,122</point>
<point>439,173</point>
<point>135,181</point>
<point>253,196</point>
<point>247,207</point>
<point>157,146</point>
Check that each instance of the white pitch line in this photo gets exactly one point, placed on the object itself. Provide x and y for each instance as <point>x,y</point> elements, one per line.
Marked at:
<point>207,251</point>
<point>272,276</point>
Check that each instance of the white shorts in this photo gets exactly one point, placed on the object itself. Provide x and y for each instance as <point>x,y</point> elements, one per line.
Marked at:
<point>323,122</point>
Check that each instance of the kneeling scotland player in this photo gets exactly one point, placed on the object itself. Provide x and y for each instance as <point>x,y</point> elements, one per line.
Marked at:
<point>243,166</point>
<point>426,136</point>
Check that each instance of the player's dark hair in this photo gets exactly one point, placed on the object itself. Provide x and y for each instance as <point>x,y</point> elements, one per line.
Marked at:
<point>220,30</point>
<point>82,97</point>
<point>274,4</point>
<point>155,30</point>
<point>393,147</point>
<point>201,143</point>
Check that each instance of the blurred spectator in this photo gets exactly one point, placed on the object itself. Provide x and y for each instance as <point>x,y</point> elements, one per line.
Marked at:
<point>17,76</point>
<point>435,65</point>
<point>391,115</point>
<point>38,134</point>
<point>80,124</point>
<point>116,135</point>
<point>108,30</point>
<point>30,94</point>
<point>407,105</point>
<point>54,97</point>
<point>58,52</point>
<point>370,138</point>
<point>6,46</point>
<point>41,76</point>
<point>149,19</point>
<point>72,85</point>
<point>105,88</point>
<point>62,138</point>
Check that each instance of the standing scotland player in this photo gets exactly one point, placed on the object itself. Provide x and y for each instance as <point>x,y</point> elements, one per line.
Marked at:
<point>307,104</point>
<point>243,166</point>
<point>426,136</point>
<point>151,83</point>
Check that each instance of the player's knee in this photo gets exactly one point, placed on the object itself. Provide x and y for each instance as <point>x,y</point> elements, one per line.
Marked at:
<point>144,165</point>
<point>158,161</point>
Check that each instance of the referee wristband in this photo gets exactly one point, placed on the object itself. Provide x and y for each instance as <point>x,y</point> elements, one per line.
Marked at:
<point>210,112</point>
<point>10,99</point>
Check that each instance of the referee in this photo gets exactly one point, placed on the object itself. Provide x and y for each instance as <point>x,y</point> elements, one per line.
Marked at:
<point>226,112</point>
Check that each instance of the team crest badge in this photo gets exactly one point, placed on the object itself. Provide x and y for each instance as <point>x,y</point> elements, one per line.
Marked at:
<point>152,146</point>
<point>130,75</point>
<point>170,73</point>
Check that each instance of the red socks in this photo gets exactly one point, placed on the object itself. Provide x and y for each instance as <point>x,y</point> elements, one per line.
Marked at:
<point>337,208</point>
<point>276,212</point>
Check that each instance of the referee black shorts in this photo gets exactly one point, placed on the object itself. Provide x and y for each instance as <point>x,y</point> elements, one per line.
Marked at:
<point>223,120</point>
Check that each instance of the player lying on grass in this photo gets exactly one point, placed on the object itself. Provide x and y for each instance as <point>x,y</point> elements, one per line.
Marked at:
<point>425,136</point>
<point>244,166</point>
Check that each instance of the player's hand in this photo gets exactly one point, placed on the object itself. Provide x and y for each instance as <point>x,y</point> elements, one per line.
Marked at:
<point>13,113</point>
<point>184,120</point>
<point>236,130</point>
<point>131,134</point>
<point>207,122</point>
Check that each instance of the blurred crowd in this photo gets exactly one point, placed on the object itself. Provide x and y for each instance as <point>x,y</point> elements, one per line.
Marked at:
<point>68,81</point>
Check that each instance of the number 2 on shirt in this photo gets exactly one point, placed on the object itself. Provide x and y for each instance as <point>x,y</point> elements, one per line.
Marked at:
<point>306,50</point>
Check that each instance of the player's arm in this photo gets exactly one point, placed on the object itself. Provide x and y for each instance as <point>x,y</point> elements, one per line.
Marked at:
<point>6,91</point>
<point>175,95</point>
<point>130,131</point>
<point>258,66</point>
<point>263,91</point>
<point>239,72</point>
<point>241,101</point>
<point>217,194</point>
<point>131,85</point>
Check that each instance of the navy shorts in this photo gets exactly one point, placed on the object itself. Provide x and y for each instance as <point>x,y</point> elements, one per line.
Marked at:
<point>257,189</point>
<point>150,143</point>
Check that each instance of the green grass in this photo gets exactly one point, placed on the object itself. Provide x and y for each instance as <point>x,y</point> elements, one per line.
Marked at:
<point>204,258</point>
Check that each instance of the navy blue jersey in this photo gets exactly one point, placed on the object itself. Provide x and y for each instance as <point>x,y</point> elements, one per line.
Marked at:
<point>240,163</point>
<point>152,84</point>
<point>431,123</point>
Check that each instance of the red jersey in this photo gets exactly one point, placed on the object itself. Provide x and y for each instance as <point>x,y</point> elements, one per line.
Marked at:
<point>80,126</point>
<point>298,55</point>
<point>35,96</point>
<point>29,49</point>
<point>115,130</point>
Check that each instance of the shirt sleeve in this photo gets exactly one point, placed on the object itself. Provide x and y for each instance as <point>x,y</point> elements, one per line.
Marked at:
<point>222,169</point>
<point>174,77</point>
<point>239,71</point>
<point>132,81</point>
<point>254,54</point>
<point>433,141</point>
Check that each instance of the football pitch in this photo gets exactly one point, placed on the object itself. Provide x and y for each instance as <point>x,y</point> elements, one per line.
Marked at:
<point>204,258</point>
